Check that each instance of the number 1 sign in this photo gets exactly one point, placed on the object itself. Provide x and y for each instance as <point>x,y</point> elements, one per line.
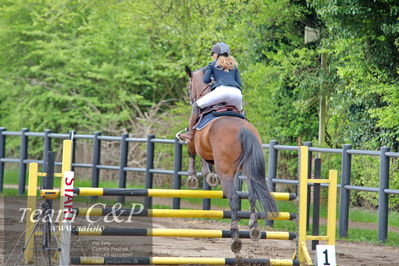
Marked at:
<point>325,255</point>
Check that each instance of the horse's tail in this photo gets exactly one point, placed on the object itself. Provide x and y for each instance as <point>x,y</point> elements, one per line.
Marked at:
<point>252,165</point>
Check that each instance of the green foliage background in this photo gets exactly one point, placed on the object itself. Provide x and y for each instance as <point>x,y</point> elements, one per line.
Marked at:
<point>99,65</point>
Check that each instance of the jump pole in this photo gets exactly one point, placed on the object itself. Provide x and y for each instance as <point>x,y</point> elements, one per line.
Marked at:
<point>180,233</point>
<point>167,193</point>
<point>214,214</point>
<point>177,260</point>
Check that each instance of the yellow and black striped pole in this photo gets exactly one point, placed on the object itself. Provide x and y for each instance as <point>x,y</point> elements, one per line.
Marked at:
<point>213,214</point>
<point>169,193</point>
<point>177,233</point>
<point>177,260</point>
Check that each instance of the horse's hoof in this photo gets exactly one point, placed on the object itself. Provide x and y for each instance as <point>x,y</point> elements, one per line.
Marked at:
<point>212,179</point>
<point>192,182</point>
<point>254,234</point>
<point>253,220</point>
<point>236,245</point>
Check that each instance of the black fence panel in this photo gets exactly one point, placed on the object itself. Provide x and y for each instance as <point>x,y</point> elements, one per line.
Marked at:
<point>177,173</point>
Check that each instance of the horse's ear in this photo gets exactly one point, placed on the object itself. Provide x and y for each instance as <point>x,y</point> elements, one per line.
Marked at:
<point>188,71</point>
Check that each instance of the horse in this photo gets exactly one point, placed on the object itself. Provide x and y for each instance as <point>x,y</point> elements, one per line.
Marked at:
<point>234,146</point>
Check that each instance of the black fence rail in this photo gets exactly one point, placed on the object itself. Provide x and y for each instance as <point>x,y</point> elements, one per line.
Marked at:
<point>273,147</point>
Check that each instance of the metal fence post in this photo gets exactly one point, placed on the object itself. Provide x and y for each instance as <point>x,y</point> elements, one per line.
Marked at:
<point>149,167</point>
<point>47,144</point>
<point>206,203</point>
<point>23,155</point>
<point>176,169</point>
<point>46,148</point>
<point>238,187</point>
<point>308,144</point>
<point>344,193</point>
<point>48,180</point>
<point>95,172</point>
<point>316,203</point>
<point>2,155</point>
<point>272,171</point>
<point>123,163</point>
<point>72,133</point>
<point>383,201</point>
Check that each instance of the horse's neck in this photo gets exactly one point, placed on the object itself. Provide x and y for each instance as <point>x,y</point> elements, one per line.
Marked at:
<point>201,92</point>
<point>201,88</point>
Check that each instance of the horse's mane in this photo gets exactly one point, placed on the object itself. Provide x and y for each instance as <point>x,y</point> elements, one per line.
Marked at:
<point>200,70</point>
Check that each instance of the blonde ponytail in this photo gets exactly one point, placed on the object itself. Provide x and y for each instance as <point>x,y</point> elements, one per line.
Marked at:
<point>226,63</point>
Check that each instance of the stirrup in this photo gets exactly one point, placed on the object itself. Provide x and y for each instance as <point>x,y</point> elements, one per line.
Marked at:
<point>181,131</point>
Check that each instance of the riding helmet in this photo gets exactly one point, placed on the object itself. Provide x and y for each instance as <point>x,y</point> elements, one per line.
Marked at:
<point>221,48</point>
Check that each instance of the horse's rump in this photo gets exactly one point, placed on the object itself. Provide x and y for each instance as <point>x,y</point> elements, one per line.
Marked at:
<point>219,140</point>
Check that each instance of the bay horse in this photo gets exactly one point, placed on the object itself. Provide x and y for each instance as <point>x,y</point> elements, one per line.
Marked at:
<point>233,145</point>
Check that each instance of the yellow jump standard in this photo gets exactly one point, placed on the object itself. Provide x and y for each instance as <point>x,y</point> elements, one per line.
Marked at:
<point>303,253</point>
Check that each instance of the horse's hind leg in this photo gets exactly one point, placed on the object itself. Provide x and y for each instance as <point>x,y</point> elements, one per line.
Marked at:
<point>211,178</point>
<point>231,194</point>
<point>254,232</point>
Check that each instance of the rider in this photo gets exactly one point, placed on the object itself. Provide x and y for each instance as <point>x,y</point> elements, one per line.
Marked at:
<point>226,87</point>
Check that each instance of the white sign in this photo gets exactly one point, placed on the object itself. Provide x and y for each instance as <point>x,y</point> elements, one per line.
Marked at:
<point>67,217</point>
<point>311,34</point>
<point>325,255</point>
<point>68,213</point>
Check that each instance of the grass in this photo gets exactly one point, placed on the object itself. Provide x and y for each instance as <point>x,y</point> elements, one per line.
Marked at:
<point>355,215</point>
<point>371,236</point>
<point>371,216</point>
<point>11,176</point>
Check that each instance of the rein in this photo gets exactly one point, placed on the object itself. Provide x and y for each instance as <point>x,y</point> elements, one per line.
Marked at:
<point>197,96</point>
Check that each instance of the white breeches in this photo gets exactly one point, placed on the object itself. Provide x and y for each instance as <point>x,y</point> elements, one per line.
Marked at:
<point>229,95</point>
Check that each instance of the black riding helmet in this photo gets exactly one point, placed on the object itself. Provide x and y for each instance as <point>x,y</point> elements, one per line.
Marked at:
<point>221,49</point>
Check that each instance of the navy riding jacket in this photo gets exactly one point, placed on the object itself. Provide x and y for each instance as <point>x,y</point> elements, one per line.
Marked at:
<point>221,77</point>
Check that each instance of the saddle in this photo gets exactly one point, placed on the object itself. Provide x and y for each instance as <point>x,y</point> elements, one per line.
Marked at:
<point>209,114</point>
<point>218,108</point>
<point>213,112</point>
